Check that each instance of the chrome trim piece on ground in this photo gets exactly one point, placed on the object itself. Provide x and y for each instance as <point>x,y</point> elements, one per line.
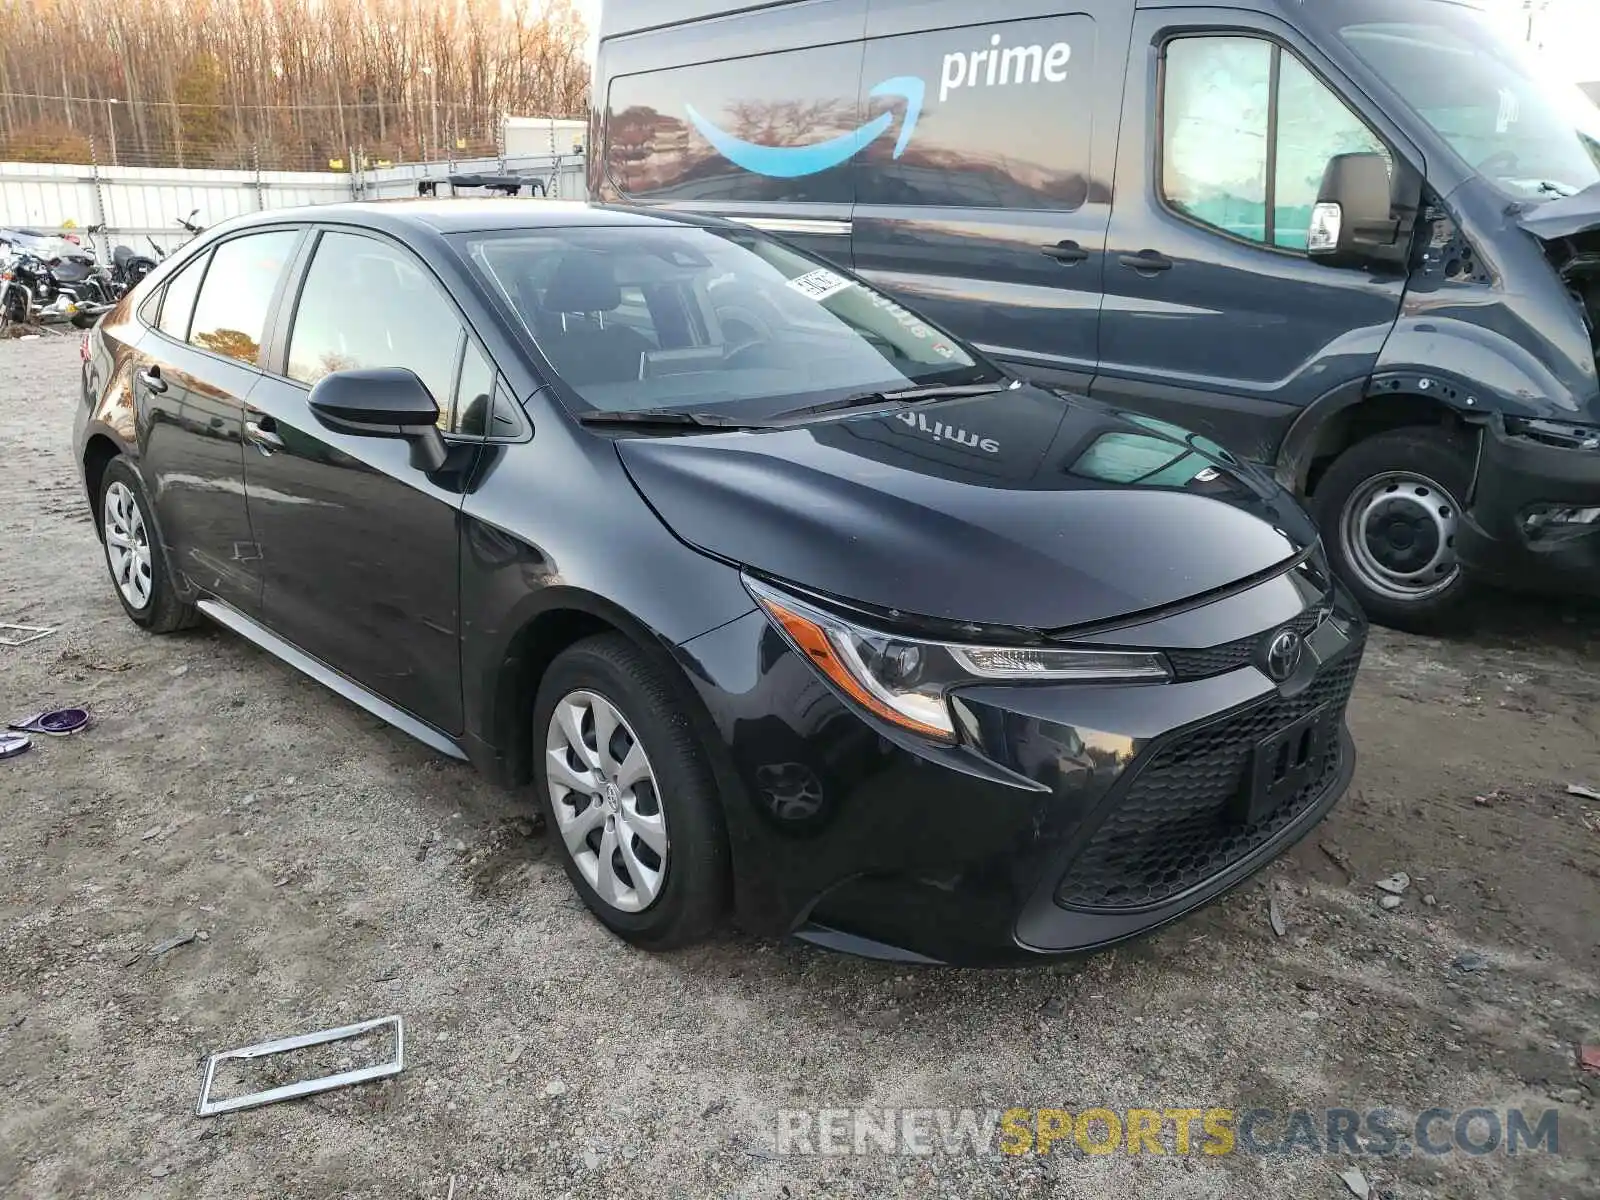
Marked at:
<point>352,691</point>
<point>208,1107</point>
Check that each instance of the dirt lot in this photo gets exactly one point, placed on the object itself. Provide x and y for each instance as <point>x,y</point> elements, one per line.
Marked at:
<point>336,870</point>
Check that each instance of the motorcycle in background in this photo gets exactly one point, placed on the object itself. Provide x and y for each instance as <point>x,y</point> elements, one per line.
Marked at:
<point>16,305</point>
<point>189,224</point>
<point>43,284</point>
<point>128,267</point>
<point>48,277</point>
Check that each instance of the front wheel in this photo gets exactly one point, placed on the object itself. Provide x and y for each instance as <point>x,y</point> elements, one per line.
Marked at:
<point>1390,508</point>
<point>627,788</point>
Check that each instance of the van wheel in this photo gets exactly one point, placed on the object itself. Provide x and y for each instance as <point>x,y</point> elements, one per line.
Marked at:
<point>1389,508</point>
<point>629,792</point>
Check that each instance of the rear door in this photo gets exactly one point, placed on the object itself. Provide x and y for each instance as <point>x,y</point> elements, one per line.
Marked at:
<point>193,375</point>
<point>360,549</point>
<point>1214,316</point>
<point>989,213</point>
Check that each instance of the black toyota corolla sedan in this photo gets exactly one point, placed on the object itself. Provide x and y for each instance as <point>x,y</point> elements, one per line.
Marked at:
<point>783,600</point>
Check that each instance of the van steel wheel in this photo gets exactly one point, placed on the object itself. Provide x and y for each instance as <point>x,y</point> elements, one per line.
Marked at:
<point>627,787</point>
<point>134,556</point>
<point>1390,510</point>
<point>1398,531</point>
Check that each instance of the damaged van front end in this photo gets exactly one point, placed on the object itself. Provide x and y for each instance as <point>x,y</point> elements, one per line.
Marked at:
<point>1535,514</point>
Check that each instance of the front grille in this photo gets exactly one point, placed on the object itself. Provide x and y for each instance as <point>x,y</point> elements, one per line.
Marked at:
<point>1230,656</point>
<point>1174,827</point>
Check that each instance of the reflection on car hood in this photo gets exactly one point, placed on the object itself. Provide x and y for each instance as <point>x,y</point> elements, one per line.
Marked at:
<point>1566,217</point>
<point>1022,508</point>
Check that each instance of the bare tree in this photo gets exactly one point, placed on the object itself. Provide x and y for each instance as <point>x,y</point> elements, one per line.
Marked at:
<point>301,83</point>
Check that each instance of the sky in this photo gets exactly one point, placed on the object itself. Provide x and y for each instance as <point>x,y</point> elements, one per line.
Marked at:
<point>1566,31</point>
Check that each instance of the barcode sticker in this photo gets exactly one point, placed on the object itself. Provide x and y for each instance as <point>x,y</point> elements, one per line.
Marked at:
<point>819,284</point>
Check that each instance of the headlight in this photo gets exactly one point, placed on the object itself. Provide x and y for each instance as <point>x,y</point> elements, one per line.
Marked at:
<point>906,680</point>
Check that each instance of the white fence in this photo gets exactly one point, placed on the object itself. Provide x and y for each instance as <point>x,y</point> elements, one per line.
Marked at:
<point>135,203</point>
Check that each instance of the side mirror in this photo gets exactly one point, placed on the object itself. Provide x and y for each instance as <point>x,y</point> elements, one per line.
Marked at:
<point>386,402</point>
<point>1354,217</point>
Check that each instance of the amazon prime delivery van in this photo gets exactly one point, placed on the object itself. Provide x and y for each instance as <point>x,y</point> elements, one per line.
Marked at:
<point>1356,240</point>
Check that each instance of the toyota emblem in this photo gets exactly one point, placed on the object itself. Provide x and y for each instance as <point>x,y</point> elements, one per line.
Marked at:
<point>1283,654</point>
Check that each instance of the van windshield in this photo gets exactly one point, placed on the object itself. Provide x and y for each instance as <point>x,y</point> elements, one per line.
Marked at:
<point>1534,137</point>
<point>634,318</point>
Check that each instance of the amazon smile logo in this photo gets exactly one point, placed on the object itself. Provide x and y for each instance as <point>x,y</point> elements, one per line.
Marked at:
<point>790,162</point>
<point>995,66</point>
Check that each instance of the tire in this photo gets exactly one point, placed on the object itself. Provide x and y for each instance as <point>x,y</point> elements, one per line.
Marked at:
<point>123,510</point>
<point>678,897</point>
<point>1388,508</point>
<point>15,305</point>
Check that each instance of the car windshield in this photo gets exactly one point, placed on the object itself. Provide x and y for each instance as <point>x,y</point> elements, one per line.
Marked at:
<point>1531,135</point>
<point>694,318</point>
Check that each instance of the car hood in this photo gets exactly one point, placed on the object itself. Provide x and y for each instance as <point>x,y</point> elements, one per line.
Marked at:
<point>1023,508</point>
<point>1565,217</point>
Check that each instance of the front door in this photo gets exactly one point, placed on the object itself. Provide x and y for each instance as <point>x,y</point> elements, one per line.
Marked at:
<point>193,376</point>
<point>1214,316</point>
<point>360,549</point>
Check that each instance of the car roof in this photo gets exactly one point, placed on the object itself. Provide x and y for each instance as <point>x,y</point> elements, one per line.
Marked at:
<point>473,215</point>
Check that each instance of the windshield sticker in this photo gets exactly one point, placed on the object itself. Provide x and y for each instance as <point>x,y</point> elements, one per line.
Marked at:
<point>818,285</point>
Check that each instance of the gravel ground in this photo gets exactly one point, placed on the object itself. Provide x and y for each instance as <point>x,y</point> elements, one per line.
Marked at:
<point>336,870</point>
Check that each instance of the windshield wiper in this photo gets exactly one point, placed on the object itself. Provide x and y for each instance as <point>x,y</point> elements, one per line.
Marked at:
<point>903,396</point>
<point>662,418</point>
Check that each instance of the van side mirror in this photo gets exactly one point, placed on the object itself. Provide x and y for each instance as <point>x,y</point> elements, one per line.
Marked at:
<point>386,402</point>
<point>1354,218</point>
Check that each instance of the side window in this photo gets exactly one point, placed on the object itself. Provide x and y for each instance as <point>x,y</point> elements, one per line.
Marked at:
<point>402,320</point>
<point>985,116</point>
<point>474,393</point>
<point>230,315</point>
<point>1313,126</point>
<point>1216,96</point>
<point>1219,162</point>
<point>177,304</point>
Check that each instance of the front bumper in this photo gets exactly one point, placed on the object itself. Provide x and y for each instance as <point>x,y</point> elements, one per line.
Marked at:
<point>1520,477</point>
<point>1077,816</point>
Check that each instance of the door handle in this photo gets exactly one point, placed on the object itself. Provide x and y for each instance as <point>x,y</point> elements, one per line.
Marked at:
<point>1146,261</point>
<point>151,378</point>
<point>261,432</point>
<point>1065,252</point>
